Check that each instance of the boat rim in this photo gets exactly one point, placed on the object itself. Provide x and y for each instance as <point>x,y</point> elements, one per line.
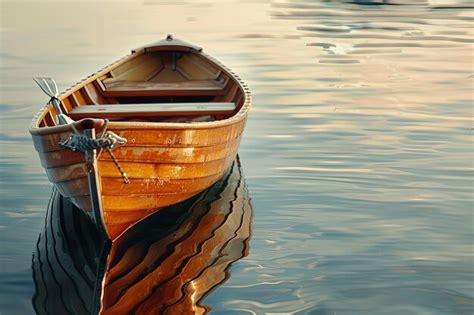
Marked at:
<point>35,129</point>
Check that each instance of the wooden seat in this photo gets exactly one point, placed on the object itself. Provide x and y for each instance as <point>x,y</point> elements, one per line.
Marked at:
<point>117,88</point>
<point>151,110</point>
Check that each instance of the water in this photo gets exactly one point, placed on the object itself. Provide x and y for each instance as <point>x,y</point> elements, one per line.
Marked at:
<point>357,154</point>
<point>164,264</point>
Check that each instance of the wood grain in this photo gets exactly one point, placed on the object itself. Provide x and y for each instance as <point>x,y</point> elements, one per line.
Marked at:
<point>151,110</point>
<point>167,160</point>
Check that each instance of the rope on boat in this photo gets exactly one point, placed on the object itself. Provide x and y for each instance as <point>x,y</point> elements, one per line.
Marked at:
<point>124,175</point>
<point>83,143</point>
<point>106,140</point>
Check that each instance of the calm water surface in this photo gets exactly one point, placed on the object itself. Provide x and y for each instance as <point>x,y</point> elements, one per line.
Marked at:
<point>357,154</point>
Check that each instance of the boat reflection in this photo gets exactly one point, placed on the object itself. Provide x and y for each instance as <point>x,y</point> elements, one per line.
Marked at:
<point>165,264</point>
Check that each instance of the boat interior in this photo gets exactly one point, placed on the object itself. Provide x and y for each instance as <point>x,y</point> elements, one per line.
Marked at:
<point>155,85</point>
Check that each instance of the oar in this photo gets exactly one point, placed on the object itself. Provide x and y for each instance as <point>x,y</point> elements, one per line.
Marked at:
<point>51,89</point>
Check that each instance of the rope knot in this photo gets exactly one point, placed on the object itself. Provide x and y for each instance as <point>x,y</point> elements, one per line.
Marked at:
<point>107,141</point>
<point>83,143</point>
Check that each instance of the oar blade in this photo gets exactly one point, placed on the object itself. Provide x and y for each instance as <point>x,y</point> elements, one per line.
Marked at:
<point>48,85</point>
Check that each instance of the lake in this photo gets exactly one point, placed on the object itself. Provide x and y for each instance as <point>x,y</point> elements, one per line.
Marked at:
<point>356,166</point>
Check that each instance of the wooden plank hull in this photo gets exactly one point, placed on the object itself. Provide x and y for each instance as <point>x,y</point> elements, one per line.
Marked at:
<point>159,176</point>
<point>165,264</point>
<point>166,161</point>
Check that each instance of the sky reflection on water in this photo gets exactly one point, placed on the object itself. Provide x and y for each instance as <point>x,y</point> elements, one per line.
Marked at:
<point>357,153</point>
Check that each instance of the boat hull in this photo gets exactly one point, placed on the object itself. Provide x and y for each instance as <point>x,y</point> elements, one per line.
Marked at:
<point>164,167</point>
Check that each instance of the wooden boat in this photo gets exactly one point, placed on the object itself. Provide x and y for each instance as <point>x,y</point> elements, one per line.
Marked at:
<point>164,264</point>
<point>181,114</point>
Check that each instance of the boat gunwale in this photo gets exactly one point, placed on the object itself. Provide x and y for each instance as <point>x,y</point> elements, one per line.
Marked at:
<point>129,125</point>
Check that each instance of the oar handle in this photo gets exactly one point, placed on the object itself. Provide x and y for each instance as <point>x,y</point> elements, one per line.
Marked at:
<point>62,119</point>
<point>57,105</point>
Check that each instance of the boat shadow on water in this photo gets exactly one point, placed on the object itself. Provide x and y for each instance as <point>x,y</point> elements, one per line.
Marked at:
<point>165,264</point>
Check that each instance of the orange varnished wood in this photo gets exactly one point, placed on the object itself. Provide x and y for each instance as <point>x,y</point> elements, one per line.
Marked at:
<point>131,202</point>
<point>67,104</point>
<point>73,100</point>
<point>176,155</point>
<point>81,99</point>
<point>159,171</point>
<point>116,187</point>
<point>147,153</point>
<point>159,137</point>
<point>49,120</point>
<point>158,194</point>
<point>166,160</point>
